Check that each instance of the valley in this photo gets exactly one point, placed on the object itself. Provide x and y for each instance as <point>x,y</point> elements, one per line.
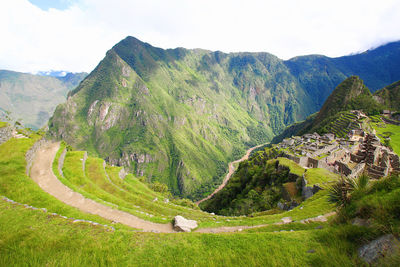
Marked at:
<point>179,116</point>
<point>31,99</point>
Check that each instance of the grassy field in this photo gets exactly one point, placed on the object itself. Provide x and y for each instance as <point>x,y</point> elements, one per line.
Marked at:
<point>129,195</point>
<point>390,130</point>
<point>63,243</point>
<point>3,124</point>
<point>320,176</point>
<point>293,166</point>
<point>36,238</point>
<point>15,185</point>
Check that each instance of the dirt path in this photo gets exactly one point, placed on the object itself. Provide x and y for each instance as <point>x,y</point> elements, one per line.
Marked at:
<point>224,229</point>
<point>231,168</point>
<point>42,174</point>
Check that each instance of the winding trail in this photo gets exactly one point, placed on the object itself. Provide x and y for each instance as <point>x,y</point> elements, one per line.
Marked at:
<point>230,173</point>
<point>42,174</point>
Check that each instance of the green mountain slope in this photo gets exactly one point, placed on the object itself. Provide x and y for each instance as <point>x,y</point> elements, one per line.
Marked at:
<point>178,116</point>
<point>33,98</point>
<point>319,75</point>
<point>389,96</point>
<point>351,94</point>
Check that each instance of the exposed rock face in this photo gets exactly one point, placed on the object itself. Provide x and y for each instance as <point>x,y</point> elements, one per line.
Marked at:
<point>5,133</point>
<point>378,248</point>
<point>183,225</point>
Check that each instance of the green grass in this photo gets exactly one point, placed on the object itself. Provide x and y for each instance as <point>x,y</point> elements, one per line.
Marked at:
<point>312,207</point>
<point>394,133</point>
<point>293,166</point>
<point>36,238</point>
<point>320,176</point>
<point>65,244</point>
<point>92,185</point>
<point>15,185</point>
<point>129,195</point>
<point>3,124</point>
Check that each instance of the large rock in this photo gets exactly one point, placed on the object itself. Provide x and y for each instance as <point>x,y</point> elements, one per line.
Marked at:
<point>183,225</point>
<point>307,192</point>
<point>378,248</point>
<point>286,220</point>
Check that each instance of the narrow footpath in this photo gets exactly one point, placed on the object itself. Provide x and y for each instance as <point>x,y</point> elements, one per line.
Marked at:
<point>42,174</point>
<point>231,169</point>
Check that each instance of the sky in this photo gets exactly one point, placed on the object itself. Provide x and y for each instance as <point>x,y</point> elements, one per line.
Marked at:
<point>74,35</point>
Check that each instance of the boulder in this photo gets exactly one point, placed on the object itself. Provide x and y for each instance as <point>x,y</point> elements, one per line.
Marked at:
<point>286,220</point>
<point>361,222</point>
<point>378,248</point>
<point>183,225</point>
<point>282,206</point>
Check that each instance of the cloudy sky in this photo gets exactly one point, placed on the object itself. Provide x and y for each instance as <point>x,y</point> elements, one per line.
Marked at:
<point>74,35</point>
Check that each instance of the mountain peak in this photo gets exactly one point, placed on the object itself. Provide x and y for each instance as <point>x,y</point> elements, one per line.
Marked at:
<point>348,90</point>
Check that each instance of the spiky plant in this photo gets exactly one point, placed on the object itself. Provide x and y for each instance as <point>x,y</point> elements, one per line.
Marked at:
<point>342,191</point>
<point>361,183</point>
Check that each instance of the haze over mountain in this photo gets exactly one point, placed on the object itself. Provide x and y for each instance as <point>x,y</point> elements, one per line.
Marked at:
<point>178,115</point>
<point>33,98</point>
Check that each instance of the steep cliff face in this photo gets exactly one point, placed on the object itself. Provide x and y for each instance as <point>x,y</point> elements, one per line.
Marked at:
<point>179,116</point>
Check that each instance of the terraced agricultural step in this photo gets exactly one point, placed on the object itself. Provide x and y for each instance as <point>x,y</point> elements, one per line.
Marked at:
<point>128,194</point>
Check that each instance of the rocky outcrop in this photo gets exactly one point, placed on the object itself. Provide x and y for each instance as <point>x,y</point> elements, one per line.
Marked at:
<point>308,191</point>
<point>30,155</point>
<point>378,248</point>
<point>5,133</point>
<point>183,225</point>
<point>61,162</point>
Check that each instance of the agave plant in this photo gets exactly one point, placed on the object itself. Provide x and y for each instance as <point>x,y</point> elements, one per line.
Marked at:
<point>342,191</point>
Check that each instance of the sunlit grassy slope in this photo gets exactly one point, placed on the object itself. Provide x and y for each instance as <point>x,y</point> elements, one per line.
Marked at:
<point>37,238</point>
<point>389,131</point>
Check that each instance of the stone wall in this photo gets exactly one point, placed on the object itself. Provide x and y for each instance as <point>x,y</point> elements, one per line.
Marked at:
<point>312,163</point>
<point>122,173</point>
<point>343,168</point>
<point>84,161</point>
<point>30,155</point>
<point>357,170</point>
<point>61,162</point>
<point>302,161</point>
<point>5,133</point>
<point>308,191</point>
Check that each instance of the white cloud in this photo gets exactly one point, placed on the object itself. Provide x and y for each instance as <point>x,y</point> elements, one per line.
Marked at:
<point>77,38</point>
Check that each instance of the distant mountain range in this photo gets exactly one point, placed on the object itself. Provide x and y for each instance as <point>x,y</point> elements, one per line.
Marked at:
<point>33,98</point>
<point>178,116</point>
